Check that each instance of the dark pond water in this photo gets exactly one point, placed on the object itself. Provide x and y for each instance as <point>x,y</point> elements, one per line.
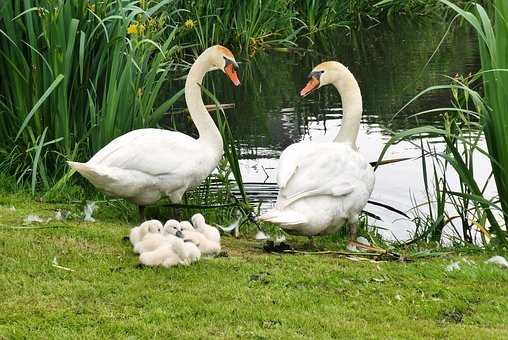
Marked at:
<point>391,66</point>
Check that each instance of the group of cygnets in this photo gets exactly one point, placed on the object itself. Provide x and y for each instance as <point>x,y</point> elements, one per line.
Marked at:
<point>175,243</point>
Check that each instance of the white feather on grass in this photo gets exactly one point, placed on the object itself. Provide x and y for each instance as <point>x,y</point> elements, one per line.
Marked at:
<point>88,211</point>
<point>498,261</point>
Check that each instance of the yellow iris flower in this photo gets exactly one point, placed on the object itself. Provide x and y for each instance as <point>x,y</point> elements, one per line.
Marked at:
<point>132,29</point>
<point>189,24</point>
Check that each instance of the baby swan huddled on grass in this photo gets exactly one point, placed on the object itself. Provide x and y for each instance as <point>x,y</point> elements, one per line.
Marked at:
<point>206,237</point>
<point>211,233</point>
<point>167,249</point>
<point>171,253</point>
<point>152,241</point>
<point>148,227</point>
<point>168,254</point>
<point>175,243</point>
<point>191,234</point>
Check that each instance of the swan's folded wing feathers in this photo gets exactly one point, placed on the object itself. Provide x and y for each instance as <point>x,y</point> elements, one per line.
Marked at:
<point>288,164</point>
<point>135,151</point>
<point>293,157</point>
<point>336,191</point>
<point>320,169</point>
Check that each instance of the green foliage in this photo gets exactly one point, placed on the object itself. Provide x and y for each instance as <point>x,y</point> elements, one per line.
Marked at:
<point>463,208</point>
<point>493,38</point>
<point>248,27</point>
<point>318,15</point>
<point>260,24</point>
<point>76,74</point>
<point>488,115</point>
<point>457,155</point>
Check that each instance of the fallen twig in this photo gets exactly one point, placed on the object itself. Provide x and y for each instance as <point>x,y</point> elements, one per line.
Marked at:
<point>35,227</point>
<point>328,252</point>
<point>64,268</point>
<point>377,254</point>
<point>56,265</point>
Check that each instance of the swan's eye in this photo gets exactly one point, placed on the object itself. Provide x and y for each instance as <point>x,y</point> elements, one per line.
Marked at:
<point>315,74</point>
<point>230,62</point>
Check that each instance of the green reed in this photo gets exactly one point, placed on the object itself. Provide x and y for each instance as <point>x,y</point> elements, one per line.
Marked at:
<point>469,203</point>
<point>455,207</point>
<point>248,27</point>
<point>76,74</point>
<point>493,41</point>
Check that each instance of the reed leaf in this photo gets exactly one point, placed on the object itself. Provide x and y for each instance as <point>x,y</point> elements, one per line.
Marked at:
<point>75,73</point>
<point>493,41</point>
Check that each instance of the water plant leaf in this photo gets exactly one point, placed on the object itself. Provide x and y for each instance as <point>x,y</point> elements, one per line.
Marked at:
<point>41,100</point>
<point>36,160</point>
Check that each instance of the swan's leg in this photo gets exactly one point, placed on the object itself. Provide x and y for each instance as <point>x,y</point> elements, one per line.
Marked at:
<point>311,244</point>
<point>176,197</point>
<point>141,209</point>
<point>176,213</point>
<point>353,234</point>
<point>353,231</point>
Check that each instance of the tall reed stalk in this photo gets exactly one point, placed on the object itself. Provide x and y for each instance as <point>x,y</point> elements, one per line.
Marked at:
<point>449,206</point>
<point>493,40</point>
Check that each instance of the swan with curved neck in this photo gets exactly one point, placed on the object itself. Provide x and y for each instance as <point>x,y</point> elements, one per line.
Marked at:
<point>324,186</point>
<point>336,74</point>
<point>145,165</point>
<point>216,57</point>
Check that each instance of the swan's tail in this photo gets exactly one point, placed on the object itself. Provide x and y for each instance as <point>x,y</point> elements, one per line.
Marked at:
<point>91,173</point>
<point>284,217</point>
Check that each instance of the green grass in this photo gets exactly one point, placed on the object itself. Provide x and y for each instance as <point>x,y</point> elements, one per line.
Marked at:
<point>249,294</point>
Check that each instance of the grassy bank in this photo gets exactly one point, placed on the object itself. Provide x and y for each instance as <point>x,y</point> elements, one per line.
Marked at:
<point>248,294</point>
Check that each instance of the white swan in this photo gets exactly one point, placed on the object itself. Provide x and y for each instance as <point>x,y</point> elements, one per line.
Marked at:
<point>145,165</point>
<point>324,186</point>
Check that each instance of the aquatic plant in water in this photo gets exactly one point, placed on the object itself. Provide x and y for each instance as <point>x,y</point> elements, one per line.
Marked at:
<point>491,112</point>
<point>493,40</point>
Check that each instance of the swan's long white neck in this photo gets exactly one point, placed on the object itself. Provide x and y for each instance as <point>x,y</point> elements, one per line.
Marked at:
<point>207,129</point>
<point>352,108</point>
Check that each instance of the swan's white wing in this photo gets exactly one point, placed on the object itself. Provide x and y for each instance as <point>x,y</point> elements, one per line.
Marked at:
<point>289,162</point>
<point>312,169</point>
<point>153,152</point>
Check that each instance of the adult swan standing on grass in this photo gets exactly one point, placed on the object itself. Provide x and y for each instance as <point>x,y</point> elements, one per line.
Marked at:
<point>145,165</point>
<point>324,186</point>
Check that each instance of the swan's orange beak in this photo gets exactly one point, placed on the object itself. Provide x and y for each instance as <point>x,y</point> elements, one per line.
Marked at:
<point>231,72</point>
<point>311,86</point>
